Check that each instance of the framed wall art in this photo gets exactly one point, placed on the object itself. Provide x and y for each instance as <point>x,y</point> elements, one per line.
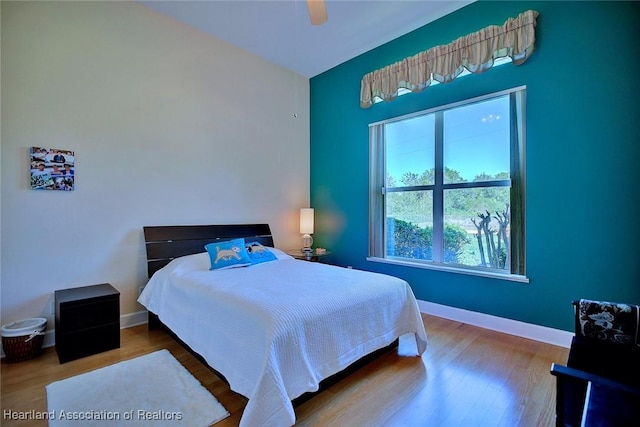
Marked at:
<point>52,169</point>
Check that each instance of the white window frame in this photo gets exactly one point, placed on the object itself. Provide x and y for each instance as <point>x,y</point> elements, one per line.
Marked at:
<point>377,193</point>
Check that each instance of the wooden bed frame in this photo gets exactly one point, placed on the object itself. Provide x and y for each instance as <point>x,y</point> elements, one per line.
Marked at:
<point>164,243</point>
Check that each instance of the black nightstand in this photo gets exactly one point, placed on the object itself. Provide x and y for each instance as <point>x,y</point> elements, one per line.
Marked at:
<point>313,257</point>
<point>87,321</point>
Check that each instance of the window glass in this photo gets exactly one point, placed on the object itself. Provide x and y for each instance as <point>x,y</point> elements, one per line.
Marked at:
<point>466,219</point>
<point>409,152</point>
<point>409,225</point>
<point>476,141</point>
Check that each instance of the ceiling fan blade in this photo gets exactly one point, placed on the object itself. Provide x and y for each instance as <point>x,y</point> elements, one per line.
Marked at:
<point>317,11</point>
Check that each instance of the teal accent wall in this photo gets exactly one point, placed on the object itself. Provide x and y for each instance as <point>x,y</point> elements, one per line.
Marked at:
<point>583,155</point>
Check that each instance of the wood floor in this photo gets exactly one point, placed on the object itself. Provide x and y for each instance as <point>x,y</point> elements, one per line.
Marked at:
<point>468,376</point>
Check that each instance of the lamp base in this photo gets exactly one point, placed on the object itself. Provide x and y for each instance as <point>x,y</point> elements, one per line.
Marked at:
<point>307,241</point>
<point>307,252</point>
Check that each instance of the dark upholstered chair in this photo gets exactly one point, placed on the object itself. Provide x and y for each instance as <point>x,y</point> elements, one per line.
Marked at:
<point>600,386</point>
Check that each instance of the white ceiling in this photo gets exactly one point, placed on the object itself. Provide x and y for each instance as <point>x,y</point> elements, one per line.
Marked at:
<point>280,31</point>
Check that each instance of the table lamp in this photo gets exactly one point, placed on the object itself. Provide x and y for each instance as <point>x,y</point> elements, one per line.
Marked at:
<point>306,229</point>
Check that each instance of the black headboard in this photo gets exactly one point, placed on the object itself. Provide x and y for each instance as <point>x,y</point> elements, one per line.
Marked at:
<point>165,243</point>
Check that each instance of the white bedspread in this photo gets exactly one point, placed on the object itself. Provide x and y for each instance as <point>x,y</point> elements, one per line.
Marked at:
<point>276,329</point>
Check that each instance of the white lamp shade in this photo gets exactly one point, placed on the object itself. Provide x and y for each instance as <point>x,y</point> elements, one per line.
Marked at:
<point>306,221</point>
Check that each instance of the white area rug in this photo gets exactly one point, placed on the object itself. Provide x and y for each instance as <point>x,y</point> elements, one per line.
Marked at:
<point>151,390</point>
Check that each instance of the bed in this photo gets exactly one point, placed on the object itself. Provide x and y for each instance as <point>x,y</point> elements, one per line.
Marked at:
<point>274,330</point>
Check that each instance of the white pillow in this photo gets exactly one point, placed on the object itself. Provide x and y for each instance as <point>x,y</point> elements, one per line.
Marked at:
<point>280,254</point>
<point>195,262</point>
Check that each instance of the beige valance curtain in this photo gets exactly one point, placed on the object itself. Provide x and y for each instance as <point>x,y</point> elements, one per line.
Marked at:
<point>475,52</point>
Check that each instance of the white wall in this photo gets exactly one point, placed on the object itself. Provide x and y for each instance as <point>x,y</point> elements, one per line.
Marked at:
<point>169,126</point>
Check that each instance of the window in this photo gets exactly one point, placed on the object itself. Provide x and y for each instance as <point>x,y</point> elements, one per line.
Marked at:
<point>447,187</point>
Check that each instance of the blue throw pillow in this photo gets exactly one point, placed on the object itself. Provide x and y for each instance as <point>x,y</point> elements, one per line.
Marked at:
<point>228,254</point>
<point>259,253</point>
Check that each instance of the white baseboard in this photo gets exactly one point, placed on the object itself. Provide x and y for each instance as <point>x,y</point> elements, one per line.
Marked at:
<point>500,324</point>
<point>49,339</point>
<point>133,319</point>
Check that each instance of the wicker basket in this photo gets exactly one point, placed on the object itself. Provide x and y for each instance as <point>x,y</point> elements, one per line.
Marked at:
<point>22,340</point>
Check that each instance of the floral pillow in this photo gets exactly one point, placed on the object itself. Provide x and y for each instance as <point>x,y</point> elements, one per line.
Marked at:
<point>608,321</point>
<point>228,254</point>
<point>259,254</point>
